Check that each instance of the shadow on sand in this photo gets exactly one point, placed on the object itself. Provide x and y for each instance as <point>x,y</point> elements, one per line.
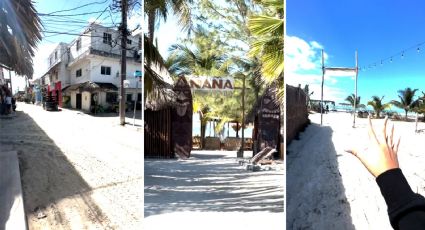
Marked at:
<point>210,182</point>
<point>315,193</point>
<point>47,176</point>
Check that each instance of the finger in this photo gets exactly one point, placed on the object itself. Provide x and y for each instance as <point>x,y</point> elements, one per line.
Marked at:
<point>398,144</point>
<point>392,137</point>
<point>372,132</point>
<point>384,130</point>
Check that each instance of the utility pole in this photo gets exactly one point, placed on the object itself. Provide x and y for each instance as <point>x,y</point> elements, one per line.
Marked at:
<point>321,97</point>
<point>241,151</point>
<point>123,29</point>
<point>10,80</point>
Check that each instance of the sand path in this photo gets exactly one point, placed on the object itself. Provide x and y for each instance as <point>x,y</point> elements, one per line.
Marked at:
<point>212,191</point>
<point>330,189</point>
<point>79,171</point>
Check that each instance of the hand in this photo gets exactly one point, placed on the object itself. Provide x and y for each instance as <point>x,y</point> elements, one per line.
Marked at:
<point>381,155</point>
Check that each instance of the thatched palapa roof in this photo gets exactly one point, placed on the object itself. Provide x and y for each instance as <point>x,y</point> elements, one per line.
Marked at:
<point>19,33</point>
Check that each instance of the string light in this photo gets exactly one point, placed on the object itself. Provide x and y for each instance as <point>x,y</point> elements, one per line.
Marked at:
<point>416,47</point>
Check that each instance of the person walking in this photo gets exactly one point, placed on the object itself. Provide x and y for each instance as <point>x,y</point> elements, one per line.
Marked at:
<point>8,102</point>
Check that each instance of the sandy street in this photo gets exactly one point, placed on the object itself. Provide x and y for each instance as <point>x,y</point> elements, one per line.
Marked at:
<point>77,171</point>
<point>328,188</point>
<point>212,191</point>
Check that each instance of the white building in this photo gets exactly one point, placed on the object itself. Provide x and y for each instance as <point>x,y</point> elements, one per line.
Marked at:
<point>2,80</point>
<point>87,71</point>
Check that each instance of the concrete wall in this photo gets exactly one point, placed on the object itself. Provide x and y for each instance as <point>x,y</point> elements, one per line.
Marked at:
<point>296,112</point>
<point>85,71</point>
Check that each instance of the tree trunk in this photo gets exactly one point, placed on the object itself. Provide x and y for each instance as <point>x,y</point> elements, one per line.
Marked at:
<point>237,129</point>
<point>203,129</point>
<point>405,116</point>
<point>151,25</point>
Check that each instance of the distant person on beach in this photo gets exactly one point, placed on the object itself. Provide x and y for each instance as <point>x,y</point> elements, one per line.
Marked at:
<point>327,109</point>
<point>8,101</point>
<point>406,209</point>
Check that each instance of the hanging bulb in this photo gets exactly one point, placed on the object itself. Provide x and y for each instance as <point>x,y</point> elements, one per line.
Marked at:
<point>402,55</point>
<point>418,49</point>
<point>391,60</point>
<point>381,63</point>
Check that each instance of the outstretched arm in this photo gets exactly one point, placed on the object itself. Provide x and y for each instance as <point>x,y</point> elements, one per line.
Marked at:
<point>406,209</point>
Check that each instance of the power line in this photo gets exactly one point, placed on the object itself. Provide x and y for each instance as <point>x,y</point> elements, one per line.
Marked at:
<point>68,15</point>
<point>78,7</point>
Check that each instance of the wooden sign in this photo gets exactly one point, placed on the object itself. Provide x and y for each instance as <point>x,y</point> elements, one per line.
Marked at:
<point>210,83</point>
<point>181,119</point>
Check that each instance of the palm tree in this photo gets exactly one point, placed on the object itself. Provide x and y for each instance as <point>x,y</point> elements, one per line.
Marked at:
<point>420,108</point>
<point>377,105</point>
<point>308,94</point>
<point>351,100</point>
<point>406,100</point>
<point>20,29</point>
<point>157,10</point>
<point>267,29</point>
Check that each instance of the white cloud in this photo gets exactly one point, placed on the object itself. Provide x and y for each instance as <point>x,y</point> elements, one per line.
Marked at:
<point>303,62</point>
<point>302,56</point>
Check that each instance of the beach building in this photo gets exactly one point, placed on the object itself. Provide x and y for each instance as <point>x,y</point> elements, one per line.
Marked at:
<point>85,73</point>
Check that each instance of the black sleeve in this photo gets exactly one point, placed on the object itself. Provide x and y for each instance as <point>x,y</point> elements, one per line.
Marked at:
<point>406,209</point>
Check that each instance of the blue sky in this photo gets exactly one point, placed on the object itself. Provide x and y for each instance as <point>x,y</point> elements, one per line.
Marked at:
<point>379,30</point>
<point>64,24</point>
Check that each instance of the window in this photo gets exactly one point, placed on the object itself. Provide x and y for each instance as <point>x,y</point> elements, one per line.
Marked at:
<point>56,55</point>
<point>78,73</point>
<point>129,97</point>
<point>79,44</point>
<point>139,97</point>
<point>128,41</point>
<point>107,38</point>
<point>105,70</point>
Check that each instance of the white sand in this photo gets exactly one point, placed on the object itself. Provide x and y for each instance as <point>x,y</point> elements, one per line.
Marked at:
<point>83,172</point>
<point>328,188</point>
<point>212,191</point>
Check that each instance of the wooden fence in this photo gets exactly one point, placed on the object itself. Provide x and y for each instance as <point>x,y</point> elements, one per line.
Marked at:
<point>158,134</point>
<point>296,112</point>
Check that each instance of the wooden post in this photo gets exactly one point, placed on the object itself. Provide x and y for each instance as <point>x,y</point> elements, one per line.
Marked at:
<point>355,99</point>
<point>240,154</point>
<point>321,100</point>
